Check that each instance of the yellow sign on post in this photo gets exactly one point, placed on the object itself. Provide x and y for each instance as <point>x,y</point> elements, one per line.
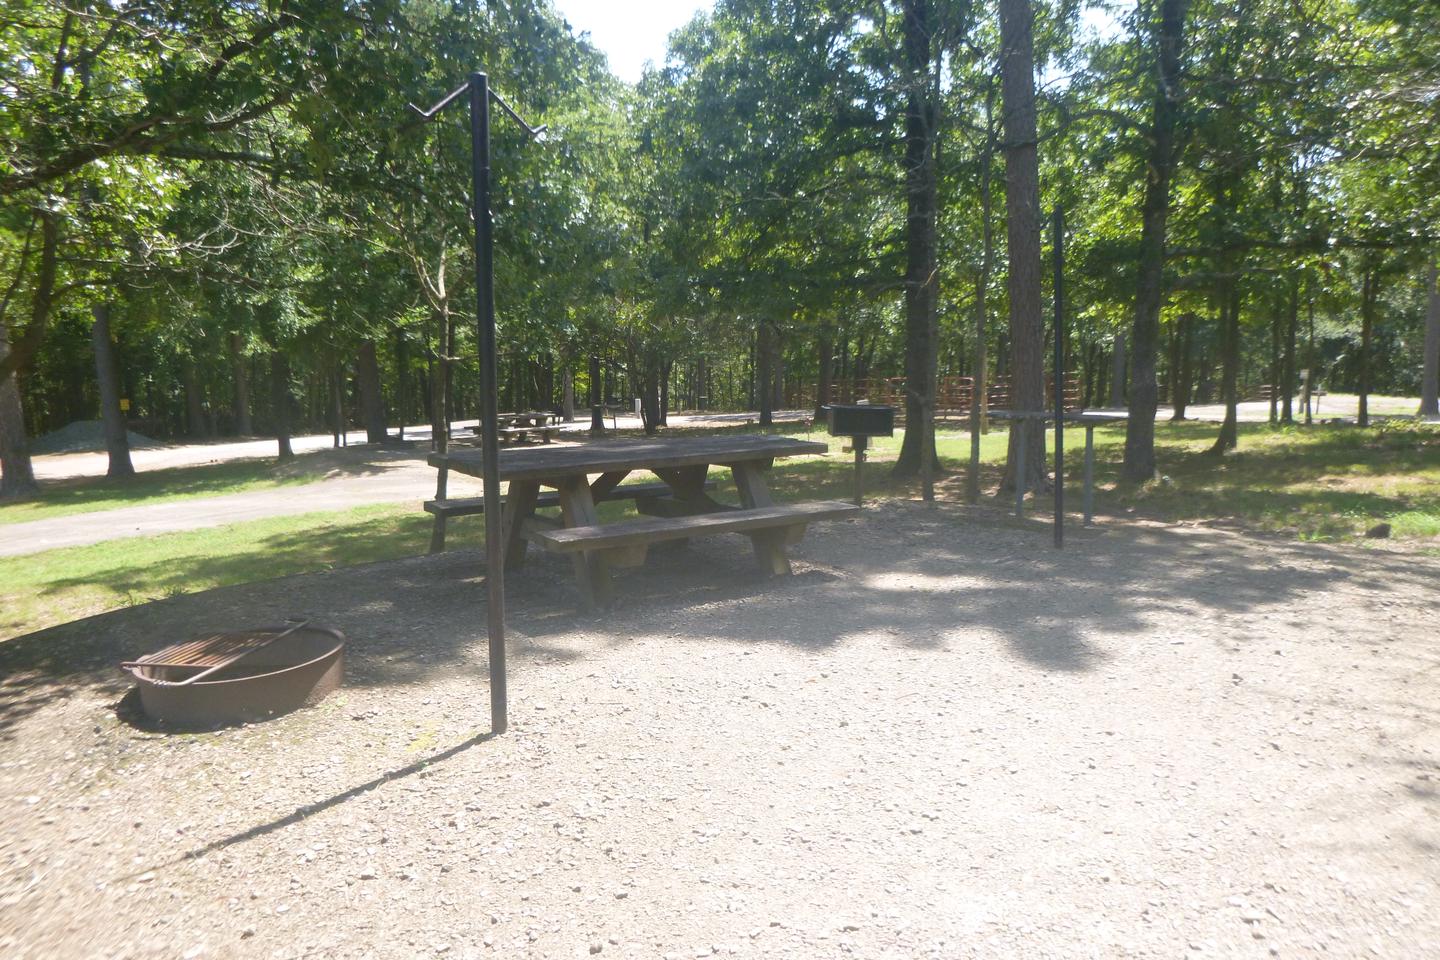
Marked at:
<point>124,405</point>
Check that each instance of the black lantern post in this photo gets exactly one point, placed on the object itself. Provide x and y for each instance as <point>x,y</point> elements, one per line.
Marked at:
<point>478,86</point>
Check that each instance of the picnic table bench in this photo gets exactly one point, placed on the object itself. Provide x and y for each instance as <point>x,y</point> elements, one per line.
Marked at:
<point>676,508</point>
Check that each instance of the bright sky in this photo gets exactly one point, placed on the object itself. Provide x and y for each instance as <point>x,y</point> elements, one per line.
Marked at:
<point>629,32</point>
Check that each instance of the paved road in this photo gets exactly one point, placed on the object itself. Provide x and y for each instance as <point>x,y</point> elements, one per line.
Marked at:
<point>394,482</point>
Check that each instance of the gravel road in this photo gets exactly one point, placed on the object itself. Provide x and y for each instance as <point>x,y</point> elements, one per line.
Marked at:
<point>941,738</point>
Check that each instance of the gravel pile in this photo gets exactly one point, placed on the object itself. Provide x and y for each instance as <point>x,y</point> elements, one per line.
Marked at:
<point>83,436</point>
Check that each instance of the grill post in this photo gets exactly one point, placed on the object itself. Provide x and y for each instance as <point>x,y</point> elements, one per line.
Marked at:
<point>859,444</point>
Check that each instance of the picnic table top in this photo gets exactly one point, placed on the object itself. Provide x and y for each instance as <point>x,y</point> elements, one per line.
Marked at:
<point>605,456</point>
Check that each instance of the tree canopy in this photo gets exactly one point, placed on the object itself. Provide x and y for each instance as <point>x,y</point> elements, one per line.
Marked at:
<point>804,201</point>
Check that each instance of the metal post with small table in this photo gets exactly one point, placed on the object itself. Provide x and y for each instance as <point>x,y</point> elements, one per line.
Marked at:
<point>1089,419</point>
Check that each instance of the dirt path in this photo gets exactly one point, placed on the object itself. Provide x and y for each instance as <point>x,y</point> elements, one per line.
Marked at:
<point>940,739</point>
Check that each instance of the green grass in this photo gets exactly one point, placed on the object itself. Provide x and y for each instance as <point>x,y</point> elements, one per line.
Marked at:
<point>1314,483</point>
<point>85,495</point>
<point>1321,482</point>
<point>42,589</point>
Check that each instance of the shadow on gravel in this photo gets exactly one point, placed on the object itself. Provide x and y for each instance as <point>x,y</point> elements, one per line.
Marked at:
<point>942,578</point>
<point>319,806</point>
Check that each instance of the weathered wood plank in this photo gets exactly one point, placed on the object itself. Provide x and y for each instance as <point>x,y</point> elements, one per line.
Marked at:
<point>546,463</point>
<point>767,543</point>
<point>645,530</point>
<point>470,506</point>
<point>578,510</point>
<point>518,504</point>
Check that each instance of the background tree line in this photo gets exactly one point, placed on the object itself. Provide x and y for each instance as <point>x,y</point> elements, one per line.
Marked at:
<point>223,214</point>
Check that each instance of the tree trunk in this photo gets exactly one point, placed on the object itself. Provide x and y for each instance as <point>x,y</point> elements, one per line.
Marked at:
<point>1022,207</point>
<point>402,379</point>
<point>280,402</point>
<point>980,385</point>
<point>1102,381</point>
<point>17,475</point>
<point>1117,371</point>
<point>764,356</point>
<point>777,373</point>
<point>337,393</point>
<point>439,373</point>
<point>194,398</point>
<point>1287,373</point>
<point>117,440</point>
<point>1139,464</point>
<point>667,370</point>
<point>922,272</point>
<point>1229,296</point>
<point>1310,351</point>
<point>567,392</point>
<point>1275,376</point>
<point>1430,378</point>
<point>1368,295</point>
<point>648,384</point>
<point>1181,375</point>
<point>825,348</point>
<point>372,400</point>
<point>243,425</point>
<point>42,296</point>
<point>597,412</point>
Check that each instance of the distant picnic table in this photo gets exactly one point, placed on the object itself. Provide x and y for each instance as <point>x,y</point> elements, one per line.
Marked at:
<point>676,508</point>
<point>520,426</point>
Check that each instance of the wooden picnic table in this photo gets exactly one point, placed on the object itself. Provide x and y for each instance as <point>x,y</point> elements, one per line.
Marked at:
<point>519,426</point>
<point>682,509</point>
<point>533,418</point>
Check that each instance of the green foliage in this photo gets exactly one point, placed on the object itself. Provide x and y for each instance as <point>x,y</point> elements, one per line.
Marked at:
<point>249,173</point>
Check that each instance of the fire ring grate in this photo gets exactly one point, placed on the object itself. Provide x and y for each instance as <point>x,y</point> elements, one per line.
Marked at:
<point>240,676</point>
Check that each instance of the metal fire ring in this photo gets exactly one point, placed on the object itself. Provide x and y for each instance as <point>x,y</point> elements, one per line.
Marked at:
<point>240,676</point>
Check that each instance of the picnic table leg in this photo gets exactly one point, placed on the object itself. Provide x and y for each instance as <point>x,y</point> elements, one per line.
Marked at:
<point>769,544</point>
<point>687,486</point>
<point>606,482</point>
<point>577,508</point>
<point>519,504</point>
<point>687,497</point>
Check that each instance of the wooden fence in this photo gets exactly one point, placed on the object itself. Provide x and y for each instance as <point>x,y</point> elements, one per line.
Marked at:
<point>952,401</point>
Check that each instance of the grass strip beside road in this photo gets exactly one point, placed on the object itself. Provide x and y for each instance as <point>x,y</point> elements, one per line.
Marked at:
<point>42,589</point>
<point>59,498</point>
<point>1324,482</point>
